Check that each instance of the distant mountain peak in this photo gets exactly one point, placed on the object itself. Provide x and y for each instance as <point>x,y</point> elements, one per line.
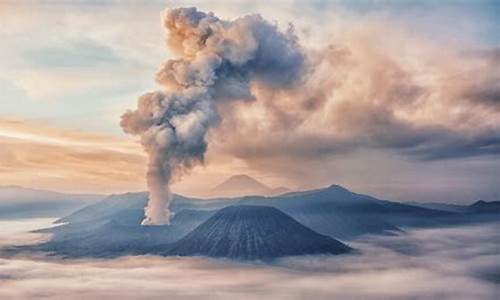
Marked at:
<point>330,188</point>
<point>242,179</point>
<point>485,204</point>
<point>243,185</point>
<point>337,187</point>
<point>479,203</point>
<point>18,201</point>
<point>18,188</point>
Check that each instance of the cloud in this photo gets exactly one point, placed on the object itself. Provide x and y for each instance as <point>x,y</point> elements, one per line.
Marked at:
<point>446,107</point>
<point>67,159</point>
<point>445,263</point>
<point>407,96</point>
<point>61,50</point>
<point>78,161</point>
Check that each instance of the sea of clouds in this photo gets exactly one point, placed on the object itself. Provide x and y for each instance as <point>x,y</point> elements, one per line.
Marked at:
<point>445,263</point>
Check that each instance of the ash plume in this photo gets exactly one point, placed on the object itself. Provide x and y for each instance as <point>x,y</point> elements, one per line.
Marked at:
<point>218,61</point>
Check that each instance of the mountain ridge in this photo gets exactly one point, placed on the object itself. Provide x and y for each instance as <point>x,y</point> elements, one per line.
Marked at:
<point>332,211</point>
<point>22,202</point>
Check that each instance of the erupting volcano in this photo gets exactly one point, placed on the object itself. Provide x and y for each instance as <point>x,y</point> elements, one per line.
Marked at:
<point>218,63</point>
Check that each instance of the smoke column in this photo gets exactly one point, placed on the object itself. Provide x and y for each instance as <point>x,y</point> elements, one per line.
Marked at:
<point>218,61</point>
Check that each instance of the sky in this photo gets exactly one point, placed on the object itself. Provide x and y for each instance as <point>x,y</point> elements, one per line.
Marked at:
<point>401,99</point>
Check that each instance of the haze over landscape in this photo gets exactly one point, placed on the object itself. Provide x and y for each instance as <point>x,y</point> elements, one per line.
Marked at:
<point>250,149</point>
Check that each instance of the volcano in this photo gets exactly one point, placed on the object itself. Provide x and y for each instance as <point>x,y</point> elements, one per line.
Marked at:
<point>242,185</point>
<point>253,233</point>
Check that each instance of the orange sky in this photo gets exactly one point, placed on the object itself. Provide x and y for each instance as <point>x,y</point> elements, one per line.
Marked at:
<point>398,106</point>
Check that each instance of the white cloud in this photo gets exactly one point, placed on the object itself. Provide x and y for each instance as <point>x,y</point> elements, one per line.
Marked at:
<point>448,263</point>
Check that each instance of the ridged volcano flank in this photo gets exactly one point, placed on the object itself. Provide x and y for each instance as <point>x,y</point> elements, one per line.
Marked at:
<point>254,232</point>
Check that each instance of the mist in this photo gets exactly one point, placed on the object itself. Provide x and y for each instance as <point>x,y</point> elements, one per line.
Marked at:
<point>446,263</point>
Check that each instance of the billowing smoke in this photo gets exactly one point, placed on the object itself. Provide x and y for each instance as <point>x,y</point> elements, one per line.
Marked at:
<point>218,61</point>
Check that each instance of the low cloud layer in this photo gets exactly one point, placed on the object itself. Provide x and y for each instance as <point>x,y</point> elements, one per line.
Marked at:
<point>449,263</point>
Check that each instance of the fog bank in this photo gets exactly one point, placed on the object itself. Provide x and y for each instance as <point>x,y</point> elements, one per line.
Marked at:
<point>451,263</point>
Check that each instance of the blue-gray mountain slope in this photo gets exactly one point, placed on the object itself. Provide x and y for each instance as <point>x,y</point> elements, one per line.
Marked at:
<point>111,226</point>
<point>332,211</point>
<point>340,213</point>
<point>18,202</point>
<point>253,232</point>
<point>111,238</point>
